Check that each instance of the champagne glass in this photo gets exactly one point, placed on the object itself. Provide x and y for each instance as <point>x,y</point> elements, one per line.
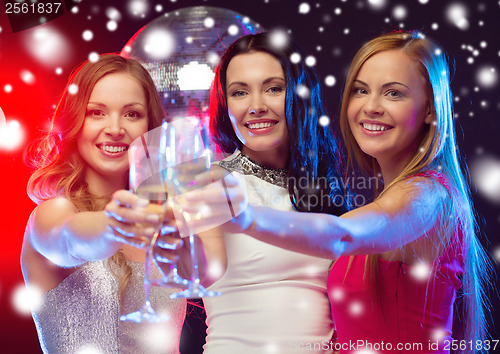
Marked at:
<point>188,154</point>
<point>145,179</point>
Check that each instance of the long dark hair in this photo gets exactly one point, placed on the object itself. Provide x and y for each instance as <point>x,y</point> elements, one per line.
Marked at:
<point>315,161</point>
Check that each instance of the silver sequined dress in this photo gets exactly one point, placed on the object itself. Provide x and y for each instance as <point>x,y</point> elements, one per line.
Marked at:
<point>82,315</point>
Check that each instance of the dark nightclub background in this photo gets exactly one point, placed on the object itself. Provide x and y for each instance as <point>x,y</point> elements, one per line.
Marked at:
<point>34,67</point>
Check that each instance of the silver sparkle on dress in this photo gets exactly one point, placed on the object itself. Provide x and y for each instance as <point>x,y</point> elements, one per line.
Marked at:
<point>244,165</point>
<point>82,314</point>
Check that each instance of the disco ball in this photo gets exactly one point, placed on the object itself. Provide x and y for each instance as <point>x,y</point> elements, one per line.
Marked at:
<point>181,49</point>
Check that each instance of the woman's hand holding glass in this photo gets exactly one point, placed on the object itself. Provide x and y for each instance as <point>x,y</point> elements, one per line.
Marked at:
<point>221,202</point>
<point>130,219</point>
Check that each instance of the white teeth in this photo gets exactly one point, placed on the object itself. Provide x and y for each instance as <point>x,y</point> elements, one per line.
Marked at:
<point>112,148</point>
<point>374,127</point>
<point>260,125</point>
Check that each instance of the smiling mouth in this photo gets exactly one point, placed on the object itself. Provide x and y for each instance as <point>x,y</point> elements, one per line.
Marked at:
<point>112,148</point>
<point>260,125</point>
<point>376,127</point>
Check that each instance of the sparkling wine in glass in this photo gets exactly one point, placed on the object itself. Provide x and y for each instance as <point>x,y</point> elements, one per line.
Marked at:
<point>145,179</point>
<point>189,155</point>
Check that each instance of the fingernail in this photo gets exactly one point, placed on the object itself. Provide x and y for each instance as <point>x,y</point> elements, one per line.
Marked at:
<point>142,203</point>
<point>153,217</point>
<point>166,260</point>
<point>166,246</point>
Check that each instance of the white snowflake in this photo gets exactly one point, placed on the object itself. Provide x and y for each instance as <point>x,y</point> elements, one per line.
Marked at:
<point>87,35</point>
<point>304,8</point>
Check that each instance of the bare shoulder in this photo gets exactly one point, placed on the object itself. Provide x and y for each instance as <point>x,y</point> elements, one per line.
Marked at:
<point>51,213</point>
<point>424,198</point>
<point>414,192</point>
<point>37,269</point>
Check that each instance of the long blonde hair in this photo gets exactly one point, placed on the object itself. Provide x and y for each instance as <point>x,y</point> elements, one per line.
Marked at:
<point>437,151</point>
<point>58,167</point>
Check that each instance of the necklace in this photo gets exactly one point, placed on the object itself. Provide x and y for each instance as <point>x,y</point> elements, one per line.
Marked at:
<point>244,165</point>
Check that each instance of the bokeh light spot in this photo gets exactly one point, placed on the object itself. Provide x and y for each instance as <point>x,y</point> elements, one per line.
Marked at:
<point>233,30</point>
<point>310,60</point>
<point>93,57</point>
<point>279,39</point>
<point>304,8</point>
<point>112,25</point>
<point>400,12</point>
<point>487,77</point>
<point>295,58</point>
<point>87,35</point>
<point>209,22</point>
<point>73,89</point>
<point>324,121</point>
<point>26,299</point>
<point>457,14</point>
<point>303,91</point>
<point>159,44</point>
<point>28,77</point>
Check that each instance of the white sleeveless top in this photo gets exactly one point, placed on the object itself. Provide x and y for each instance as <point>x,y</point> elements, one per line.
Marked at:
<point>273,300</point>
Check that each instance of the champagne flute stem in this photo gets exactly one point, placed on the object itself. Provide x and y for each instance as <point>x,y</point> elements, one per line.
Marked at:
<point>195,276</point>
<point>147,265</point>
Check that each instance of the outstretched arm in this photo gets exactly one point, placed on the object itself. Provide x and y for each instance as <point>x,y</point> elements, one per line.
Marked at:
<point>70,238</point>
<point>403,214</point>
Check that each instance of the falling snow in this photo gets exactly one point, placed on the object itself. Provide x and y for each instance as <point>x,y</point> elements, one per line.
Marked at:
<point>93,57</point>
<point>330,80</point>
<point>485,173</point>
<point>28,77</point>
<point>279,39</point>
<point>26,299</point>
<point>457,14</point>
<point>324,121</point>
<point>88,349</point>
<point>73,89</point>
<point>87,35</point>
<point>209,22</point>
<point>420,271</point>
<point>112,26</point>
<point>233,30</point>
<point>159,44</point>
<point>138,8</point>
<point>303,91</point>
<point>304,8</point>
<point>487,77</point>
<point>295,58</point>
<point>113,14</point>
<point>377,4</point>
<point>496,253</point>
<point>356,308</point>
<point>400,12</point>
<point>310,60</point>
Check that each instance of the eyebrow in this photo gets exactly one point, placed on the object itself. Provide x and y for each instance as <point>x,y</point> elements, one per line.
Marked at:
<point>384,85</point>
<point>266,81</point>
<point>127,105</point>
